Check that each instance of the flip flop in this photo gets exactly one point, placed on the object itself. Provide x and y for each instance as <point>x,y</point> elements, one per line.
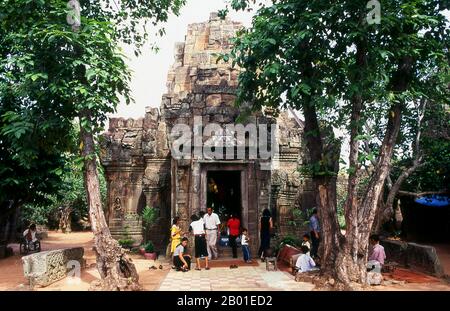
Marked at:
<point>198,269</point>
<point>207,268</point>
<point>153,267</point>
<point>160,266</point>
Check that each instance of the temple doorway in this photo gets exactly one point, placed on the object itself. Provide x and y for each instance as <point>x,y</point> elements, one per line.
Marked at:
<point>224,196</point>
<point>224,193</point>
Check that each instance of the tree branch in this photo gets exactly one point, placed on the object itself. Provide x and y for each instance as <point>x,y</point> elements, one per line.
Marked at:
<point>421,194</point>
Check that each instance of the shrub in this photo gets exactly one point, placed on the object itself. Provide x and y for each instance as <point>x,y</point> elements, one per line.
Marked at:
<point>149,247</point>
<point>149,216</point>
<point>291,240</point>
<point>126,243</point>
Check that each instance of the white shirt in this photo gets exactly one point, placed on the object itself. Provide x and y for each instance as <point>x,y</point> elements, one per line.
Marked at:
<point>179,250</point>
<point>211,222</point>
<point>244,240</point>
<point>33,235</point>
<point>198,227</point>
<point>305,263</point>
<point>307,244</point>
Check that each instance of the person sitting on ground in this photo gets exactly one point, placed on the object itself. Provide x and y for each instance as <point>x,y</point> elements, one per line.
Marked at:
<point>198,229</point>
<point>181,260</point>
<point>306,242</point>
<point>30,237</point>
<point>377,254</point>
<point>304,262</point>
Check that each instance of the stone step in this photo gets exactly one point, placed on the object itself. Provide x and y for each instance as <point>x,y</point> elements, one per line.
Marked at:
<point>225,252</point>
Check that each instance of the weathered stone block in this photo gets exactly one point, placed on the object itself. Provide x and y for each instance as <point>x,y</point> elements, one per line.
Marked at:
<point>45,268</point>
<point>424,257</point>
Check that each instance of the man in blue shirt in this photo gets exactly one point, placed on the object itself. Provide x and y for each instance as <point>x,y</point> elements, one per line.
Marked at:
<point>314,227</point>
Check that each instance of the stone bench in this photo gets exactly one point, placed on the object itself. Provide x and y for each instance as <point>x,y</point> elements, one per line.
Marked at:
<point>45,268</point>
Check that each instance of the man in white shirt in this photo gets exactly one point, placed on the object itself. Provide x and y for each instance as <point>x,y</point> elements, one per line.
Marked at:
<point>305,263</point>
<point>212,223</point>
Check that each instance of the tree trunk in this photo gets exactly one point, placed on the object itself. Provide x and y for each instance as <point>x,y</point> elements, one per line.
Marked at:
<point>369,204</point>
<point>386,210</point>
<point>116,269</point>
<point>65,220</point>
<point>330,249</point>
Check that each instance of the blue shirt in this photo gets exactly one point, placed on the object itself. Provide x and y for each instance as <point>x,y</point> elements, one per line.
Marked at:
<point>314,223</point>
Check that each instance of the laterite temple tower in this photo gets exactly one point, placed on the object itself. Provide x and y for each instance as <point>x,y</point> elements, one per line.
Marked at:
<point>141,170</point>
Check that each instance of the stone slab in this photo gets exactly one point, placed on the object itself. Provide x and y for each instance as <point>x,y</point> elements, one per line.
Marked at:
<point>45,268</point>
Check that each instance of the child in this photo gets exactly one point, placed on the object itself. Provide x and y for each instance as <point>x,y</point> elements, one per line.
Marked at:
<point>306,241</point>
<point>245,248</point>
<point>305,263</point>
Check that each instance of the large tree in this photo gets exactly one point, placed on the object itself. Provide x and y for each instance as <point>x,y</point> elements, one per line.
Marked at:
<point>79,72</point>
<point>328,60</point>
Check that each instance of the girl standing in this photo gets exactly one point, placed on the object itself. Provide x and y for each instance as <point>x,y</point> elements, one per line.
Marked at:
<point>175,234</point>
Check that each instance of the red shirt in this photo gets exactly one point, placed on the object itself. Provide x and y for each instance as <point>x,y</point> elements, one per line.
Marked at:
<point>235,225</point>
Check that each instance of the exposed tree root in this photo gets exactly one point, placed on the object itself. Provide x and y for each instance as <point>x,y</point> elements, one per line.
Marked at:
<point>116,269</point>
<point>325,282</point>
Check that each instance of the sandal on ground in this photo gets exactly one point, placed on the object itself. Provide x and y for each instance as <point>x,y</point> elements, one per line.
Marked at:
<point>198,269</point>
<point>207,268</point>
<point>153,267</point>
<point>160,266</point>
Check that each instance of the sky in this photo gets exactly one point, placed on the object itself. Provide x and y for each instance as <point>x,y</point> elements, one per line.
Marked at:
<point>149,70</point>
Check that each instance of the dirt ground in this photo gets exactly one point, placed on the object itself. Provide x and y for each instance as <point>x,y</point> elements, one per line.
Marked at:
<point>11,271</point>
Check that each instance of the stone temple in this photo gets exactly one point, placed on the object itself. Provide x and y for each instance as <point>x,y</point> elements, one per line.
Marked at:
<point>141,169</point>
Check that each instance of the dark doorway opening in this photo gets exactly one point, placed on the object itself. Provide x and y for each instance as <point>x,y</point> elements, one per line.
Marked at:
<point>224,196</point>
<point>224,193</point>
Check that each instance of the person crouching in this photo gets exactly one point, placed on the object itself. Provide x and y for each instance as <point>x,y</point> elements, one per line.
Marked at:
<point>181,260</point>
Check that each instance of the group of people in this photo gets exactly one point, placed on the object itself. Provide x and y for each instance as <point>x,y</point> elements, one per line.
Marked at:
<point>205,228</point>
<point>310,246</point>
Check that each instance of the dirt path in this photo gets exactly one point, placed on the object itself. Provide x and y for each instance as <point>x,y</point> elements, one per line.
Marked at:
<point>11,271</point>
